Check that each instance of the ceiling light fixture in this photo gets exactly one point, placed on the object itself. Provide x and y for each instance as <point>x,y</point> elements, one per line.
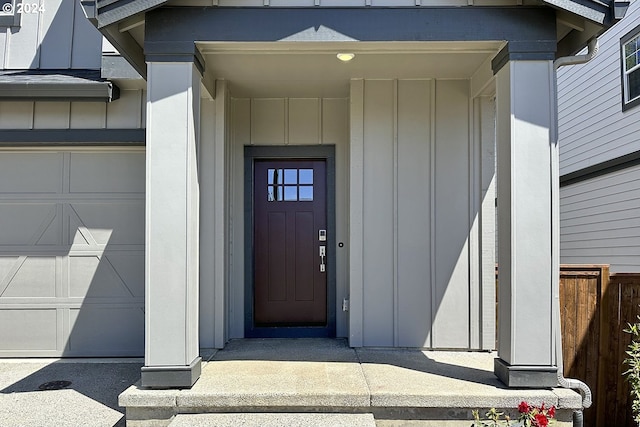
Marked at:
<point>346,57</point>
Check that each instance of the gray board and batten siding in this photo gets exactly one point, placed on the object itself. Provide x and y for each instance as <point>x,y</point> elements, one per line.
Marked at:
<point>599,152</point>
<point>417,235</point>
<point>128,112</point>
<point>58,36</point>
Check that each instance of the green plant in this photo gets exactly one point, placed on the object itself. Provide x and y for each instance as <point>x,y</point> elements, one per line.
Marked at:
<point>529,416</point>
<point>633,362</point>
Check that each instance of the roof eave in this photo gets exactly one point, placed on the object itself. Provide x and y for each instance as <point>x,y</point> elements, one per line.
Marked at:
<point>107,12</point>
<point>87,92</point>
<point>111,11</point>
<point>594,11</point>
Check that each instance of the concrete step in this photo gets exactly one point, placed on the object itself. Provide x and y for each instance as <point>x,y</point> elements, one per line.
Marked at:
<point>310,380</point>
<point>273,420</point>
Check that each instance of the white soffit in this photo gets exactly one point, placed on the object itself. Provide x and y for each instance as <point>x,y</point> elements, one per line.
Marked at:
<point>311,69</point>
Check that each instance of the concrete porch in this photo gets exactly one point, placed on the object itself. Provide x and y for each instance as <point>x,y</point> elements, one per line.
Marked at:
<point>323,382</point>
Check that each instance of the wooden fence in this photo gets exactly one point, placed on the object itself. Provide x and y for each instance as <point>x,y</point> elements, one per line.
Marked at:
<point>595,308</point>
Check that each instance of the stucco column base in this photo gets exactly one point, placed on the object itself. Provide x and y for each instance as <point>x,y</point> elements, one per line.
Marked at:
<point>523,376</point>
<point>171,376</point>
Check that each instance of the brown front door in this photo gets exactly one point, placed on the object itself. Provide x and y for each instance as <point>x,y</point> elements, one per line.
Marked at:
<point>290,216</point>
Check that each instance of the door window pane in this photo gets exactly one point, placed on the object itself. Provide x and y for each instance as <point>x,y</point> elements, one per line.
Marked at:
<point>306,193</point>
<point>291,176</point>
<point>274,194</point>
<point>290,193</point>
<point>274,176</point>
<point>306,176</point>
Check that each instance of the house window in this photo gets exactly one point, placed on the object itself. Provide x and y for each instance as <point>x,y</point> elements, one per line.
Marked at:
<point>630,50</point>
<point>9,16</point>
<point>290,185</point>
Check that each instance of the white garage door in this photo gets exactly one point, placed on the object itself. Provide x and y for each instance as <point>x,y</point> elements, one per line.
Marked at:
<point>72,253</point>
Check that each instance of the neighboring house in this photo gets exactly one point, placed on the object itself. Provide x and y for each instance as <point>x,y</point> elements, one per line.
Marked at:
<point>285,193</point>
<point>599,124</point>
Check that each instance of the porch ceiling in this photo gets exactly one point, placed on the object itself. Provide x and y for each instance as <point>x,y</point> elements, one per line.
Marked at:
<point>312,70</point>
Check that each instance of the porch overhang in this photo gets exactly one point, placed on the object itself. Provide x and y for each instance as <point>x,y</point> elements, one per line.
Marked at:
<point>132,25</point>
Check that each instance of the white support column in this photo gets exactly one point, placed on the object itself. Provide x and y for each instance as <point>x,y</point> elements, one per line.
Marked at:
<point>172,226</point>
<point>525,100</point>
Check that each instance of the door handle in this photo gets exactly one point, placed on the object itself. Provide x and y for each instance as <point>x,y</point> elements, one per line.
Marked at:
<point>323,253</point>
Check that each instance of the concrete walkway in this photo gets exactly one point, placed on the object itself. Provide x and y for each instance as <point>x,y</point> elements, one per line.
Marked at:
<point>326,376</point>
<point>91,398</point>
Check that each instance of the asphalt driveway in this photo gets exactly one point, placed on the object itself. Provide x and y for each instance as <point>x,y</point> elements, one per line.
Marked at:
<point>61,393</point>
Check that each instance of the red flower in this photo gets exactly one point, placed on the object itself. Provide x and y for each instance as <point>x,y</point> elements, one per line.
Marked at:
<point>524,407</point>
<point>551,412</point>
<point>541,420</point>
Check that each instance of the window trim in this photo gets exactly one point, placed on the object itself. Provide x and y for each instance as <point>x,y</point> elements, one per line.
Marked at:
<point>12,19</point>
<point>626,105</point>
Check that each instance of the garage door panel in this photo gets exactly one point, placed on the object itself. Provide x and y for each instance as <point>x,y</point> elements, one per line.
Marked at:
<point>7,266</point>
<point>29,224</point>
<point>113,223</point>
<point>30,173</point>
<point>72,253</point>
<point>28,329</point>
<point>107,173</point>
<point>105,330</point>
<point>95,277</point>
<point>52,232</point>
<point>130,269</point>
<point>30,277</point>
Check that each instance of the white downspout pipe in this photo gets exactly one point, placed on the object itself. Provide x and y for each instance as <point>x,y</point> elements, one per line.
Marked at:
<point>570,383</point>
<point>592,51</point>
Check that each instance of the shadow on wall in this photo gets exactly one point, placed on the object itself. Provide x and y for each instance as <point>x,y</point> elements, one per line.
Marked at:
<point>57,37</point>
